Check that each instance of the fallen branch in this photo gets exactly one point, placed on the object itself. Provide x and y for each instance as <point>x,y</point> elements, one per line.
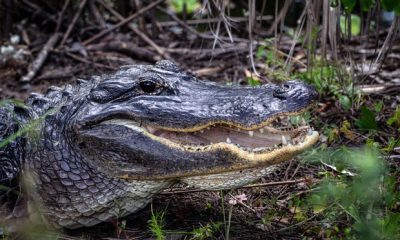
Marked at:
<point>61,15</point>
<point>122,23</point>
<point>72,25</point>
<point>379,88</point>
<point>178,191</point>
<point>126,48</point>
<point>143,36</point>
<point>80,59</point>
<point>37,64</point>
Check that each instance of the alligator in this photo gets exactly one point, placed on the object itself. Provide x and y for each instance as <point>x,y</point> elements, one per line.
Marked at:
<point>104,147</point>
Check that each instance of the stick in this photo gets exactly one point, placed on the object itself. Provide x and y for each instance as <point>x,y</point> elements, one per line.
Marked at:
<point>173,191</point>
<point>35,66</point>
<point>80,59</point>
<point>122,23</point>
<point>60,17</point>
<point>143,36</point>
<point>72,25</point>
<point>207,21</point>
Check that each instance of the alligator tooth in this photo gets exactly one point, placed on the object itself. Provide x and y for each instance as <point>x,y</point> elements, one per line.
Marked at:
<point>201,131</point>
<point>261,130</point>
<point>208,128</point>
<point>258,149</point>
<point>284,141</point>
<point>228,140</point>
<point>309,132</point>
<point>251,133</point>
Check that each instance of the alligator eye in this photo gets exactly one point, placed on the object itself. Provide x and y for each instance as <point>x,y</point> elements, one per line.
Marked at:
<point>148,86</point>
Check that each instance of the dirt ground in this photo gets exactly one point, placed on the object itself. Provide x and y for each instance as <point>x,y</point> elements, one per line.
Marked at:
<point>76,53</point>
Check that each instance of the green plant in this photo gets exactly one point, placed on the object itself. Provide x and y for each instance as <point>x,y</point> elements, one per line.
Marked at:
<point>205,232</point>
<point>274,62</point>
<point>329,79</point>
<point>227,221</point>
<point>360,206</point>
<point>367,120</point>
<point>253,82</point>
<point>355,24</point>
<point>157,224</point>
<point>178,5</point>
<point>388,5</point>
<point>395,119</point>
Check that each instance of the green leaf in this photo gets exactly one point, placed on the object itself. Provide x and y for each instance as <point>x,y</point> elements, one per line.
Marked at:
<point>349,5</point>
<point>191,5</point>
<point>260,52</point>
<point>378,106</point>
<point>367,120</point>
<point>345,102</point>
<point>355,24</point>
<point>395,119</point>
<point>390,5</point>
<point>397,9</point>
<point>253,82</point>
<point>367,4</point>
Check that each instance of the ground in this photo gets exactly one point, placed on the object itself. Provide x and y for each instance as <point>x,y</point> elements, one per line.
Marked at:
<point>358,106</point>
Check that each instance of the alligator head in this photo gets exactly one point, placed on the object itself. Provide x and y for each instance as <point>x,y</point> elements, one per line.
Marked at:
<point>121,138</point>
<point>166,124</point>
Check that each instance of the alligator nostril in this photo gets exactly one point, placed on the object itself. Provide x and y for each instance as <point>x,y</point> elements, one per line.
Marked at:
<point>278,93</point>
<point>81,145</point>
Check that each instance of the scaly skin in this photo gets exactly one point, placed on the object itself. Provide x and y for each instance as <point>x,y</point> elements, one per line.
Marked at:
<point>105,147</point>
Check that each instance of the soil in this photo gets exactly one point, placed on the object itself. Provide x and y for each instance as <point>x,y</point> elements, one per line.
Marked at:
<point>194,48</point>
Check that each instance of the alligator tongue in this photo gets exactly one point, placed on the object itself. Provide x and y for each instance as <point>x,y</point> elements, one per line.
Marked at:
<point>252,139</point>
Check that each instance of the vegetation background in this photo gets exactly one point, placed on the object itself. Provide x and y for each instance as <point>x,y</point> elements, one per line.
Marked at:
<point>347,187</point>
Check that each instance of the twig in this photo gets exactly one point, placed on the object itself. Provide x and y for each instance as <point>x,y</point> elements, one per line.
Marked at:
<point>388,41</point>
<point>60,17</point>
<point>252,10</point>
<point>279,17</point>
<point>39,10</point>
<point>72,25</point>
<point>174,191</point>
<point>38,62</point>
<point>126,48</point>
<point>122,23</point>
<point>378,88</point>
<point>201,35</point>
<point>208,21</point>
<point>80,59</point>
<point>143,36</point>
<point>97,15</point>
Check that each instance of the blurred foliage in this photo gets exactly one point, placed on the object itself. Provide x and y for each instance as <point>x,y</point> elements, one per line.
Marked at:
<point>179,5</point>
<point>359,199</point>
<point>355,24</point>
<point>207,231</point>
<point>395,119</point>
<point>388,5</point>
<point>367,120</point>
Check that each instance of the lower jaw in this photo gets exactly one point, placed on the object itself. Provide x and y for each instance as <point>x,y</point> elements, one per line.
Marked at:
<point>228,180</point>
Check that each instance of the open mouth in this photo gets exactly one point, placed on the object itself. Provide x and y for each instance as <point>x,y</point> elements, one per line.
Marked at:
<point>275,134</point>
